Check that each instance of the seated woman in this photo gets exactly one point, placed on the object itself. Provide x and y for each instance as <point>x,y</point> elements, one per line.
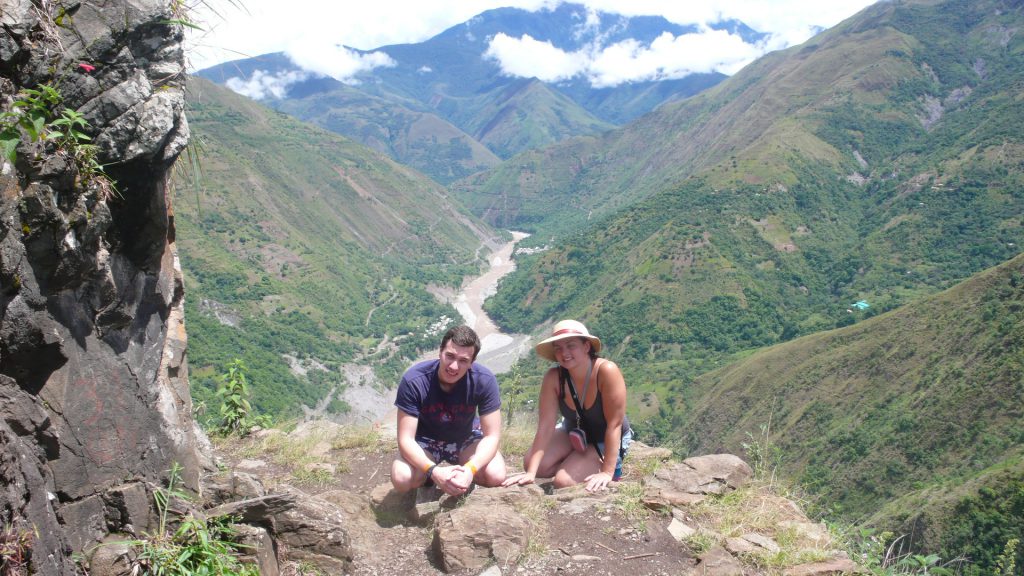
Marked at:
<point>596,385</point>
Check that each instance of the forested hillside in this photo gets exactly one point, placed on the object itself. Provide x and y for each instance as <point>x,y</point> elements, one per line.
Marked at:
<point>304,251</point>
<point>780,250</point>
<point>780,198</point>
<point>912,421</point>
<point>878,164</point>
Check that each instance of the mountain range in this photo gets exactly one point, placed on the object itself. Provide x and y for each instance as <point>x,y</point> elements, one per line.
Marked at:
<point>872,163</point>
<point>448,109</point>
<point>876,164</point>
<point>814,260</point>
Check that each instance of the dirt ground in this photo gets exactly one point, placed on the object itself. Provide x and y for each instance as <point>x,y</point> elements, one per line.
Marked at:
<point>588,536</point>
<point>592,535</point>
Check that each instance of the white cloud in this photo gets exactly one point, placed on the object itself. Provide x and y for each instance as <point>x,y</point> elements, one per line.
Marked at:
<point>262,85</point>
<point>335,61</point>
<point>529,58</point>
<point>667,57</point>
<point>237,30</point>
<point>257,27</point>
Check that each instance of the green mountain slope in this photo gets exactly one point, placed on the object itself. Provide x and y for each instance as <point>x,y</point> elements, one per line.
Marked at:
<point>826,189</point>
<point>504,120</point>
<point>523,115</point>
<point>924,404</point>
<point>882,161</point>
<point>298,242</point>
<point>854,99</point>
<point>415,138</point>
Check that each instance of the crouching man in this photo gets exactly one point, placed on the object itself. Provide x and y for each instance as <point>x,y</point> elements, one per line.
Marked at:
<point>439,403</point>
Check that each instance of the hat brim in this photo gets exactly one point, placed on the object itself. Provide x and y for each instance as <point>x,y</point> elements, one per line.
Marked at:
<point>545,349</point>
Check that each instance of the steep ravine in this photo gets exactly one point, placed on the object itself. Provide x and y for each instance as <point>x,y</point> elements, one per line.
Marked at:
<point>371,400</point>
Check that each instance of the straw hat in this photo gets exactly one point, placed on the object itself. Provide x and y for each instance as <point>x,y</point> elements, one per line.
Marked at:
<point>561,331</point>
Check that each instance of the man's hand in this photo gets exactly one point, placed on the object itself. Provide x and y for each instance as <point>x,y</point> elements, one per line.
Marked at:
<point>452,480</point>
<point>461,478</point>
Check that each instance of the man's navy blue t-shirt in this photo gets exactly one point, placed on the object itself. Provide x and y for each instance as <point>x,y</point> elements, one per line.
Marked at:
<point>447,416</point>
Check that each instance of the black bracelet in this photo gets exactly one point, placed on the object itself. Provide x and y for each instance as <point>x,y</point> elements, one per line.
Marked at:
<point>430,471</point>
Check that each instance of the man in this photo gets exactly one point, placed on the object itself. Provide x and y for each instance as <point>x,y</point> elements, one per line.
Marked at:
<point>437,402</point>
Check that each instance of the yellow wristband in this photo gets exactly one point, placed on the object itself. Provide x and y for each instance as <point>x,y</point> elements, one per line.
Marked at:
<point>427,467</point>
<point>472,467</point>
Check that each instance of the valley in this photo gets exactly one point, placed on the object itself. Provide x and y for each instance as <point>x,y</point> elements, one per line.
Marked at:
<point>371,401</point>
<point>499,351</point>
<point>717,241</point>
<point>804,255</point>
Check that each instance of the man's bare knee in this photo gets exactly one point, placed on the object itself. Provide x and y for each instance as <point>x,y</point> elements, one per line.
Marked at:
<point>402,477</point>
<point>492,476</point>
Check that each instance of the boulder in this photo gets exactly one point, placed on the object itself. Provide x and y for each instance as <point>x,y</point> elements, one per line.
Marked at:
<point>314,531</point>
<point>681,531</point>
<point>688,482</point>
<point>718,562</point>
<point>112,557</point>
<point>258,548</point>
<point>485,528</point>
<point>259,510</point>
<point>640,451</point>
<point>232,485</point>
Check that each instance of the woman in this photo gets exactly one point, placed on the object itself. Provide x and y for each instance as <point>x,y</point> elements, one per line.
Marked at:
<point>601,391</point>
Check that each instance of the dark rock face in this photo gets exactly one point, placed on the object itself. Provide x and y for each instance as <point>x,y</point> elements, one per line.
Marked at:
<point>94,394</point>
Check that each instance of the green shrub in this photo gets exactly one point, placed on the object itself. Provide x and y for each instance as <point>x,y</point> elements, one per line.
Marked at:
<point>34,115</point>
<point>236,413</point>
<point>197,546</point>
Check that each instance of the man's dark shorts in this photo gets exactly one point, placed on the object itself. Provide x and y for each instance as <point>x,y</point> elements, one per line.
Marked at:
<point>444,451</point>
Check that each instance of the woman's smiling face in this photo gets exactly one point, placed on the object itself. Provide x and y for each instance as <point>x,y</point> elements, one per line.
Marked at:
<point>570,349</point>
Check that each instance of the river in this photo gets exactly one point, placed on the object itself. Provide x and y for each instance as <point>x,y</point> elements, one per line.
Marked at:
<point>499,351</point>
<point>371,402</point>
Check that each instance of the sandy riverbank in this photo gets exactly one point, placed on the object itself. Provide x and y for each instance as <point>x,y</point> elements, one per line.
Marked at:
<point>499,350</point>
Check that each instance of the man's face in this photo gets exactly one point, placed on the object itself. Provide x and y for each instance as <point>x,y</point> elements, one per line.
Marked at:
<point>455,361</point>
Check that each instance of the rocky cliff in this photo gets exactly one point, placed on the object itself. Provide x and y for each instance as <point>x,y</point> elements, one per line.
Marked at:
<point>94,401</point>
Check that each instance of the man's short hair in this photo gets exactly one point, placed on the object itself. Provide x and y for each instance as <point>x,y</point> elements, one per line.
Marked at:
<point>462,336</point>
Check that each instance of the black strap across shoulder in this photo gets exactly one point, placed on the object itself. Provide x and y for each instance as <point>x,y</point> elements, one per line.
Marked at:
<point>565,377</point>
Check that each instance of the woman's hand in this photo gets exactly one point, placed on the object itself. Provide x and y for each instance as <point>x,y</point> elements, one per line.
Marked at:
<point>521,479</point>
<point>598,481</point>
